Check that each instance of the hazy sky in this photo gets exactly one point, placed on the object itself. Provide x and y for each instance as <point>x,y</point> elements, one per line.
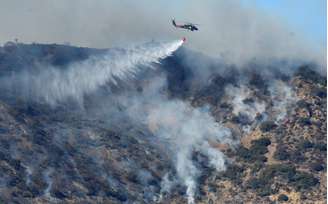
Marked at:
<point>308,17</point>
<point>239,30</point>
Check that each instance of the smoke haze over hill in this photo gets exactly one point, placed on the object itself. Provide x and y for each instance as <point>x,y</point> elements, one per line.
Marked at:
<point>237,113</point>
<point>228,30</point>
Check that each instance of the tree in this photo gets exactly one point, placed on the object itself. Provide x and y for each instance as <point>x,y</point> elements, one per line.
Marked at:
<point>267,126</point>
<point>283,198</point>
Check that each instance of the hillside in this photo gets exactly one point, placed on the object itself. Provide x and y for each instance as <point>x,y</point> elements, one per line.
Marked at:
<point>252,134</point>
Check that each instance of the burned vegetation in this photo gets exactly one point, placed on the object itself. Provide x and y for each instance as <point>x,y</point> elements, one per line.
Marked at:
<point>274,122</point>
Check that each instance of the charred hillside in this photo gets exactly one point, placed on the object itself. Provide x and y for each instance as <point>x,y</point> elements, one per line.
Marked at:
<point>187,128</point>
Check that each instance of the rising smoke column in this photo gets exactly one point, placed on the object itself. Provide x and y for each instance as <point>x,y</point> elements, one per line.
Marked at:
<point>53,86</point>
<point>188,130</point>
<point>181,128</point>
<point>283,98</point>
<point>237,96</point>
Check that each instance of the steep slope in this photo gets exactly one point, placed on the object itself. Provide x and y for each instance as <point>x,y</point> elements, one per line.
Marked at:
<point>184,131</point>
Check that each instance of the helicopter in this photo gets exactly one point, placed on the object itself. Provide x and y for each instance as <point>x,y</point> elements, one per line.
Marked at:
<point>188,26</point>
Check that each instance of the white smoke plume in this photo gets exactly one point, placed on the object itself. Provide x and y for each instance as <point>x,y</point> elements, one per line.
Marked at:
<point>281,95</point>
<point>29,173</point>
<point>48,179</point>
<point>283,98</point>
<point>80,78</point>
<point>188,129</point>
<point>228,29</point>
<point>237,96</point>
<point>166,186</point>
<point>181,128</point>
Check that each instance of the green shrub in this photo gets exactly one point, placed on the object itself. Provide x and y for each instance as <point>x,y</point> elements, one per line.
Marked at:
<point>265,191</point>
<point>241,119</point>
<point>259,147</point>
<point>257,80</point>
<point>304,181</point>
<point>257,166</point>
<point>251,156</point>
<point>299,180</point>
<point>304,121</point>
<point>284,170</point>
<point>248,101</point>
<point>321,146</point>
<point>267,126</point>
<point>281,153</point>
<point>302,104</point>
<point>282,198</point>
<point>306,72</point>
<point>320,92</point>
<point>256,183</point>
<point>261,142</point>
<point>234,173</point>
<point>317,166</point>
<point>305,144</point>
<point>225,106</point>
<point>256,151</point>
<point>297,156</point>
<point>261,186</point>
<point>244,153</point>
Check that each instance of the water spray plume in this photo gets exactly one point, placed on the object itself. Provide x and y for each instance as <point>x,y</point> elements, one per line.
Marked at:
<point>84,77</point>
